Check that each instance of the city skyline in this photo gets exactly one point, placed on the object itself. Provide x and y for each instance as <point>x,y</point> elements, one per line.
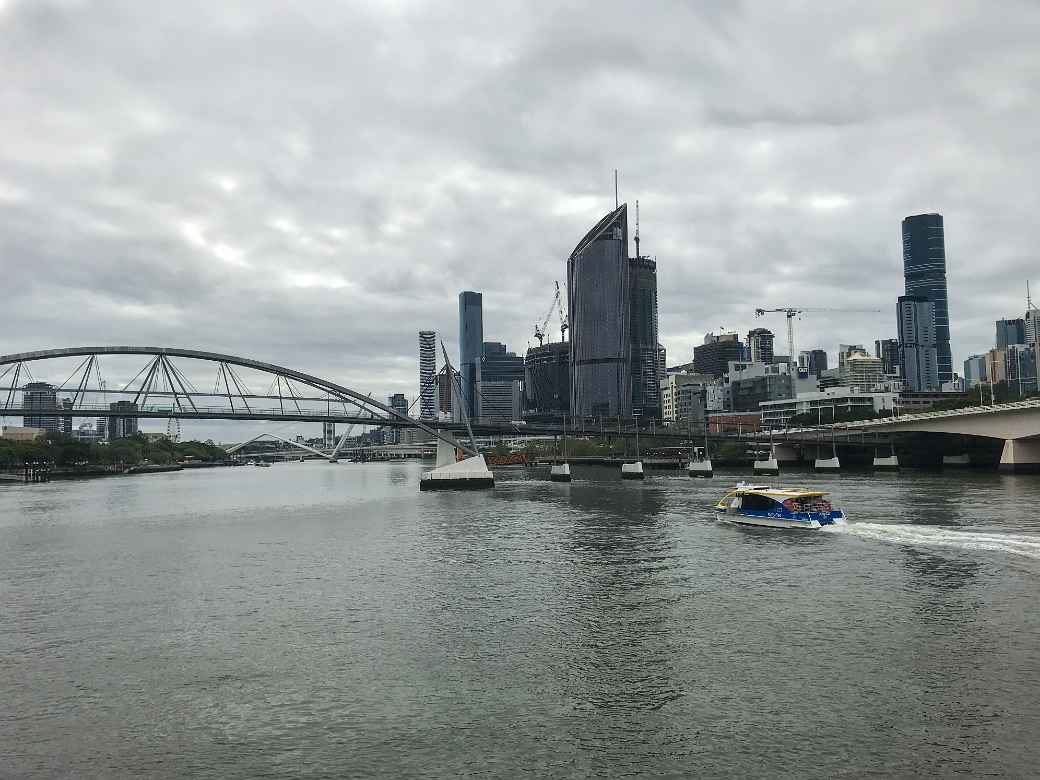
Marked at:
<point>143,206</point>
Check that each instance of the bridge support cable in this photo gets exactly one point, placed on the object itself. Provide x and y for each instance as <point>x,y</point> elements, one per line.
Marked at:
<point>426,386</point>
<point>292,393</point>
<point>345,436</point>
<point>227,386</point>
<point>130,384</point>
<point>14,384</point>
<point>243,391</point>
<point>84,381</point>
<point>76,371</point>
<point>146,388</point>
<point>164,363</point>
<point>172,369</point>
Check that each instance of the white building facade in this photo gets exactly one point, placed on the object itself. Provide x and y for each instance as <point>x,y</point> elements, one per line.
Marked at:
<point>826,405</point>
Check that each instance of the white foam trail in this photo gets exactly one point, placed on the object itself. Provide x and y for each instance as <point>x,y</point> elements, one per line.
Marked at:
<point>905,533</point>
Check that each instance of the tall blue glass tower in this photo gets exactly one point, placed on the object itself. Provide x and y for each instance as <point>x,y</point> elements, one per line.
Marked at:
<point>471,343</point>
<point>924,272</point>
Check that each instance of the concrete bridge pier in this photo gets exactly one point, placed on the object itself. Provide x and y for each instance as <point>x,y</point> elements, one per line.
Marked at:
<point>886,463</point>
<point>1020,456</point>
<point>770,467</point>
<point>766,468</point>
<point>827,464</point>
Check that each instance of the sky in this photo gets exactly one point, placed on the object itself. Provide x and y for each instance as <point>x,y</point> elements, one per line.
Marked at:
<point>310,184</point>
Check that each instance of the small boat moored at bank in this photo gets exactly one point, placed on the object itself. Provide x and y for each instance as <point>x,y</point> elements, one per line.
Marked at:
<point>775,507</point>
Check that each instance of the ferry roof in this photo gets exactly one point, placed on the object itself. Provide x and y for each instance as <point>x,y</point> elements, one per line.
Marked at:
<point>768,490</point>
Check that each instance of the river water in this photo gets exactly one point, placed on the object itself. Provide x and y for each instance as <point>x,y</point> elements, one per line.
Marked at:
<point>327,620</point>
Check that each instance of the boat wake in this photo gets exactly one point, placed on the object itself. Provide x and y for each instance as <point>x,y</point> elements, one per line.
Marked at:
<point>905,533</point>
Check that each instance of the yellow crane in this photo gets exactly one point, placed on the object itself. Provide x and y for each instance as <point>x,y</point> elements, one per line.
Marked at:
<point>793,311</point>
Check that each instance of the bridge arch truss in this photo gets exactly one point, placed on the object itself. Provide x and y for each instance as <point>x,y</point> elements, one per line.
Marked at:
<point>173,383</point>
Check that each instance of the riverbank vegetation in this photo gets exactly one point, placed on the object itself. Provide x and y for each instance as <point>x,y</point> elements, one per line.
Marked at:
<point>62,450</point>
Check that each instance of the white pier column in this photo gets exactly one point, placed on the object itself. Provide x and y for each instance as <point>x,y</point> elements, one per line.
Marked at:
<point>889,463</point>
<point>632,470</point>
<point>560,472</point>
<point>699,468</point>
<point>766,468</point>
<point>1021,456</point>
<point>827,464</point>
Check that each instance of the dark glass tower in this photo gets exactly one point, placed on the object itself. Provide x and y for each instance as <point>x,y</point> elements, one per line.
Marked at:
<point>599,301</point>
<point>646,382</point>
<point>924,271</point>
<point>471,344</point>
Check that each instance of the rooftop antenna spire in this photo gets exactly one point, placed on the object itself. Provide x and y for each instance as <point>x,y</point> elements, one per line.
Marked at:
<point>616,203</point>
<point>1029,299</point>
<point>637,230</point>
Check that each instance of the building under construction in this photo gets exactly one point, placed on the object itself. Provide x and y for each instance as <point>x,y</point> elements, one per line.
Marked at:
<point>547,380</point>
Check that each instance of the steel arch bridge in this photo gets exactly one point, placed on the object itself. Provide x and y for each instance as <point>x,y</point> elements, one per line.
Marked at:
<point>165,386</point>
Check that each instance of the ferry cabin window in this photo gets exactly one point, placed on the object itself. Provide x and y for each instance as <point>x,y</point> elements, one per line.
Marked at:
<point>759,503</point>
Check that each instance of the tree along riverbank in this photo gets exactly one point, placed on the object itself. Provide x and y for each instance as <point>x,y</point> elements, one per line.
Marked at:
<point>68,453</point>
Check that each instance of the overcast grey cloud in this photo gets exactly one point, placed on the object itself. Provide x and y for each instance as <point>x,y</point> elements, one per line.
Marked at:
<point>312,183</point>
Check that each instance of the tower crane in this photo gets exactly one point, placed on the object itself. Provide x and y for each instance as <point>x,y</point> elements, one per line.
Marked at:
<point>791,312</point>
<point>563,317</point>
<point>541,328</point>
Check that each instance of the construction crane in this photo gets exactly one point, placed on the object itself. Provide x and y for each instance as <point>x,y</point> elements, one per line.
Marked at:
<point>563,317</point>
<point>540,328</point>
<point>791,312</point>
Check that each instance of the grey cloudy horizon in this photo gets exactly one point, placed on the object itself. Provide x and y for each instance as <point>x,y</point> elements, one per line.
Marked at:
<point>311,185</point>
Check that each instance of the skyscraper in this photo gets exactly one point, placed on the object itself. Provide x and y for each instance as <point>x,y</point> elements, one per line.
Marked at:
<point>399,403</point>
<point>646,383</point>
<point>814,361</point>
<point>1031,326</point>
<point>924,272</point>
<point>501,382</point>
<point>888,351</point>
<point>446,394</point>
<point>122,427</point>
<point>760,346</point>
<point>499,364</point>
<point>471,341</point>
<point>427,372</point>
<point>599,305</point>
<point>1010,332</point>
<point>42,399</point>
<point>715,354</point>
<point>975,370</point>
<point>918,354</point>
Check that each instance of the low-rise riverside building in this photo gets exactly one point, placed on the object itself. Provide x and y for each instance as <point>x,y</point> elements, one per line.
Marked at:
<point>826,405</point>
<point>683,397</point>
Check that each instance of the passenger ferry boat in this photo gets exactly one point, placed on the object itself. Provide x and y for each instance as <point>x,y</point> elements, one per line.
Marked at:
<point>775,507</point>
